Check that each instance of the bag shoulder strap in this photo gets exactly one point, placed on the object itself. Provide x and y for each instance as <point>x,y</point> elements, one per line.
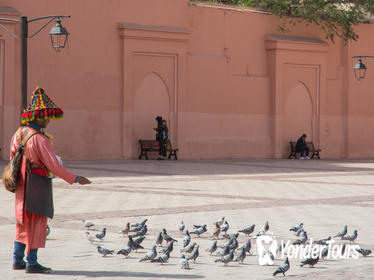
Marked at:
<point>24,134</point>
<point>27,137</point>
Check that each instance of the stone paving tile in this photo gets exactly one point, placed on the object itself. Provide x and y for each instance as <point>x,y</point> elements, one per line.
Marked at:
<point>325,195</point>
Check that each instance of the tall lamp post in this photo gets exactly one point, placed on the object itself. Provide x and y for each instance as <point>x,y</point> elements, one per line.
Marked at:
<point>58,34</point>
<point>360,68</point>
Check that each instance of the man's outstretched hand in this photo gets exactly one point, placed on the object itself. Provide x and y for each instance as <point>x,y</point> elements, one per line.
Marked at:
<point>83,180</point>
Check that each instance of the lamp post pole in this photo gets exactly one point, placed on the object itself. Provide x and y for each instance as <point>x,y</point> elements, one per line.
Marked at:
<point>56,33</point>
<point>24,67</point>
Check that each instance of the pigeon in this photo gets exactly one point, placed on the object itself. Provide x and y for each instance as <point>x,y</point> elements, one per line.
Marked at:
<point>197,226</point>
<point>136,228</point>
<point>234,244</point>
<point>125,230</point>
<point>139,240</point>
<point>342,233</point>
<point>351,237</point>
<point>311,261</point>
<point>225,251</point>
<point>225,227</point>
<point>136,247</point>
<point>194,254</point>
<point>299,232</point>
<point>140,232</point>
<point>220,222</point>
<point>104,251</point>
<point>227,244</point>
<point>248,230</point>
<point>189,248</point>
<point>297,228</point>
<point>231,236</point>
<point>302,240</point>
<point>212,248</point>
<point>184,263</point>
<point>167,237</point>
<point>159,239</point>
<point>87,224</point>
<point>264,229</point>
<point>322,241</point>
<point>130,243</point>
<point>150,255</point>
<point>126,251</point>
<point>247,246</point>
<point>227,258</point>
<point>48,230</point>
<point>325,252</point>
<point>240,258</point>
<point>141,224</point>
<point>162,259</point>
<point>216,231</point>
<point>169,248</point>
<point>101,234</point>
<point>343,248</point>
<point>283,268</point>
<point>186,239</point>
<point>181,227</point>
<point>199,230</point>
<point>364,252</point>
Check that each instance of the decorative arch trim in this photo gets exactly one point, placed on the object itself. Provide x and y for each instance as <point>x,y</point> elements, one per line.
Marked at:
<point>160,77</point>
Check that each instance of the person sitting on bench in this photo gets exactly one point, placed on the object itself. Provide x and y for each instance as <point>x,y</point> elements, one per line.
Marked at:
<point>161,135</point>
<point>302,147</point>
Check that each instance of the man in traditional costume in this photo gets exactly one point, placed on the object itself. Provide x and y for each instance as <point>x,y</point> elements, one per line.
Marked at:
<point>38,158</point>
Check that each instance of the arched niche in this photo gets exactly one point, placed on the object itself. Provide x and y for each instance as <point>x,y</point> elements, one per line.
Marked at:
<point>151,100</point>
<point>297,115</point>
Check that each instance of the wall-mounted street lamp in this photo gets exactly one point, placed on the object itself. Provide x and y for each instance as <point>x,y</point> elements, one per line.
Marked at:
<point>360,68</point>
<point>58,35</point>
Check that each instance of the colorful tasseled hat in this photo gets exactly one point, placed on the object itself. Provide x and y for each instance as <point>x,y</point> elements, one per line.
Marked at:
<point>41,107</point>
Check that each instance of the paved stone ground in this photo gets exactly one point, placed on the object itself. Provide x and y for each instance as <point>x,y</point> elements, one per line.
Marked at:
<point>323,194</point>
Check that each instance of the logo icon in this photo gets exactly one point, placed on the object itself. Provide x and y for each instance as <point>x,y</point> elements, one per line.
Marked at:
<point>266,254</point>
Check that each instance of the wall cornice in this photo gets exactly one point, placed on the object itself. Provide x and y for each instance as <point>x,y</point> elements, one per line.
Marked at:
<point>153,32</point>
<point>295,43</point>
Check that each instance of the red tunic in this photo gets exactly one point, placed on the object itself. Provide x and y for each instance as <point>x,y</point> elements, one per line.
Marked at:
<point>31,227</point>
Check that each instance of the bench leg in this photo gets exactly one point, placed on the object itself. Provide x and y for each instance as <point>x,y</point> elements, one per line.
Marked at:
<point>141,155</point>
<point>173,153</point>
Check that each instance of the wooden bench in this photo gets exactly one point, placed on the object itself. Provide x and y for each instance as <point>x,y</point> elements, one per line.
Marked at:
<point>154,146</point>
<point>312,150</point>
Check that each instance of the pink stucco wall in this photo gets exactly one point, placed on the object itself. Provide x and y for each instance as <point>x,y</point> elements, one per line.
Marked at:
<point>229,84</point>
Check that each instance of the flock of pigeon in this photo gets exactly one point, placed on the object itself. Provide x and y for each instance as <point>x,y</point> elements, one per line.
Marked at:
<point>229,251</point>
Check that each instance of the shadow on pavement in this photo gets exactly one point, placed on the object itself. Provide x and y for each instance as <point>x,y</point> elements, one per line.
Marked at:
<point>120,168</point>
<point>123,274</point>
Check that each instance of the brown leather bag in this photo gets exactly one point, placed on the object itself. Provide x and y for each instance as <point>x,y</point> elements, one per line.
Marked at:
<point>12,169</point>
